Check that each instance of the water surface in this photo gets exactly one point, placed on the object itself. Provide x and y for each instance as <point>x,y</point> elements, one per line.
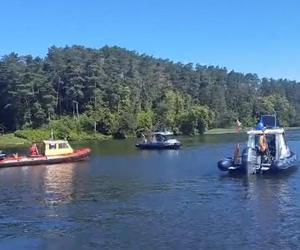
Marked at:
<point>123,198</point>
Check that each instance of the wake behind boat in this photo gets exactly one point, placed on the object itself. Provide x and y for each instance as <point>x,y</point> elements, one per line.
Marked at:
<point>266,151</point>
<point>159,140</point>
<point>53,152</point>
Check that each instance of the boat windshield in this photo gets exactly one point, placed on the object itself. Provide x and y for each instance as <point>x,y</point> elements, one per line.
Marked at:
<point>161,138</point>
<point>283,149</point>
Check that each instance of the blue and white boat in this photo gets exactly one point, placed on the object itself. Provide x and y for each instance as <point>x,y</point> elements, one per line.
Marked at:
<point>159,140</point>
<point>276,158</point>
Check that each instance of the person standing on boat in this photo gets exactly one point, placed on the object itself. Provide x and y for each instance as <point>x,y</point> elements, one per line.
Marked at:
<point>238,126</point>
<point>34,150</point>
<point>263,147</point>
<point>237,155</point>
<point>263,143</point>
<point>144,138</point>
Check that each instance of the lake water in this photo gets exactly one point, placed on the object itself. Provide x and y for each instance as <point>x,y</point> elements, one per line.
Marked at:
<point>123,198</point>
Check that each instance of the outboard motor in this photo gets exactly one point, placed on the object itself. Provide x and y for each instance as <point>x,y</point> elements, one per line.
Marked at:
<point>249,160</point>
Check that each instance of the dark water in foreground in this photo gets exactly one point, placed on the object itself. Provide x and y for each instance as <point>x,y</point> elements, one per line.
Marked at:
<point>123,198</point>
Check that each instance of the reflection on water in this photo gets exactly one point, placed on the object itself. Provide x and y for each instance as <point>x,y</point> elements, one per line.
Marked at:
<point>124,198</point>
<point>58,183</point>
<point>151,153</point>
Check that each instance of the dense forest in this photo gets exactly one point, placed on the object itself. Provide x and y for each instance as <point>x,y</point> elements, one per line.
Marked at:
<point>112,89</point>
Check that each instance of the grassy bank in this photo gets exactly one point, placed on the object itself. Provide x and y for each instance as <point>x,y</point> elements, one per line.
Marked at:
<point>38,135</point>
<point>28,136</point>
<point>292,128</point>
<point>219,131</point>
<point>10,140</point>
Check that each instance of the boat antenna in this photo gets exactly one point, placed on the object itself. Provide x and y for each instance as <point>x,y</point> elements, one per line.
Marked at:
<point>52,134</point>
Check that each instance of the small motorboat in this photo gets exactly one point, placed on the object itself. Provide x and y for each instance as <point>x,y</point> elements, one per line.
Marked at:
<point>53,152</point>
<point>159,140</point>
<point>266,151</point>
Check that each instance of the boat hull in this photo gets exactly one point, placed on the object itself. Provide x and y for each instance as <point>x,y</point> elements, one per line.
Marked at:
<point>227,164</point>
<point>159,146</point>
<point>78,155</point>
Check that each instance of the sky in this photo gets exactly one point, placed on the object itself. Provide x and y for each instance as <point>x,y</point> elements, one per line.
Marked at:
<point>249,36</point>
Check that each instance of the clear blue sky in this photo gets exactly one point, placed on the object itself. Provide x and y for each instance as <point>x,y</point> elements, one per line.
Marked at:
<point>259,36</point>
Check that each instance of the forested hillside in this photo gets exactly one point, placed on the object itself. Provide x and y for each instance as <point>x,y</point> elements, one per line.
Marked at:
<point>121,90</point>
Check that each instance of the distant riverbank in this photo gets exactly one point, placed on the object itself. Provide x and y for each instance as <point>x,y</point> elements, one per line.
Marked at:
<point>27,137</point>
<point>10,140</point>
<point>218,131</point>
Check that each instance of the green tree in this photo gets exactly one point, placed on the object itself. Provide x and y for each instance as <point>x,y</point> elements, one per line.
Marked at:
<point>120,90</point>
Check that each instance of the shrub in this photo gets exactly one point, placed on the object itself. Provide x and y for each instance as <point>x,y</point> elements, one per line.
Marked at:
<point>34,135</point>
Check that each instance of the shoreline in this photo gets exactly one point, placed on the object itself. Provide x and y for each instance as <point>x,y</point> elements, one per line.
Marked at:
<point>220,131</point>
<point>10,140</point>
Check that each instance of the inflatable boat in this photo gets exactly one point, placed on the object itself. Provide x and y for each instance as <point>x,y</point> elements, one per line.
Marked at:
<point>266,151</point>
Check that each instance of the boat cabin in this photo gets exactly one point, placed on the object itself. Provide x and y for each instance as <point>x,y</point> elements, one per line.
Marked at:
<point>162,136</point>
<point>57,147</point>
<point>277,146</point>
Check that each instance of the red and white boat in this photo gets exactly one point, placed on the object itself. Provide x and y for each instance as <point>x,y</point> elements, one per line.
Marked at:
<point>53,152</point>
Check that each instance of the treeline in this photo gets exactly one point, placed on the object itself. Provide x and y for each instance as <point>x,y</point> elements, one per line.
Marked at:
<point>115,90</point>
